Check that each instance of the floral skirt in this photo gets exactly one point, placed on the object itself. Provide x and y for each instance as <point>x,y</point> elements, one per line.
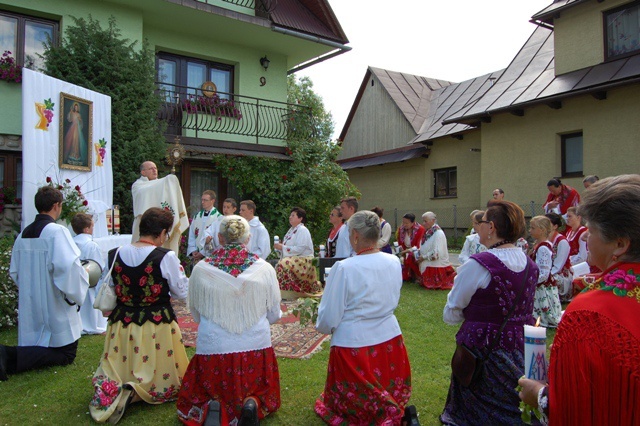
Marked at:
<point>438,278</point>
<point>366,386</point>
<point>494,399</point>
<point>298,275</point>
<point>229,379</point>
<point>150,358</point>
<point>546,305</point>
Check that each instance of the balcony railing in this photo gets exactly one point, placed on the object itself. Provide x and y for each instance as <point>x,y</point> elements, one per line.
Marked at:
<point>204,114</point>
<point>264,6</point>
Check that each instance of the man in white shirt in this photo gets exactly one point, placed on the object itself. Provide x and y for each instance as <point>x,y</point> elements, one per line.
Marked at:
<point>200,223</point>
<point>229,207</point>
<point>348,206</point>
<point>45,262</point>
<point>260,242</point>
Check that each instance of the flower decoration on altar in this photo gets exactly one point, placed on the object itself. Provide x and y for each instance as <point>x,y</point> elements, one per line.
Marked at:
<point>74,201</point>
<point>45,112</point>
<point>101,151</point>
<point>9,69</point>
<point>8,195</point>
<point>213,105</point>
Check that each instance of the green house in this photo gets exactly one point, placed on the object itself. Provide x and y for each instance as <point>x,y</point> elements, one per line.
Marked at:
<point>222,69</point>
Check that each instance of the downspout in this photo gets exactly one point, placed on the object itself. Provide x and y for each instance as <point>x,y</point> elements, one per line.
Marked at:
<point>341,48</point>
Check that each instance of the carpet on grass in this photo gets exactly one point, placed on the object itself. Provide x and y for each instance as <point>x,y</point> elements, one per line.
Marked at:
<point>289,340</point>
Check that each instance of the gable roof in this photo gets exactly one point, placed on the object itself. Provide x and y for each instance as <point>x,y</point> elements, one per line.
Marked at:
<point>530,80</point>
<point>553,11</point>
<point>450,100</point>
<point>314,17</point>
<point>411,93</point>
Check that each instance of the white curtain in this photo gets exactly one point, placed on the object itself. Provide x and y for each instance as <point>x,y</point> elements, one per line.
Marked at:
<point>40,147</point>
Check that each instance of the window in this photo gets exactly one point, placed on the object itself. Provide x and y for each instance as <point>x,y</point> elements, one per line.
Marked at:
<point>189,74</point>
<point>11,171</point>
<point>572,154</point>
<point>25,36</point>
<point>446,183</point>
<point>622,31</point>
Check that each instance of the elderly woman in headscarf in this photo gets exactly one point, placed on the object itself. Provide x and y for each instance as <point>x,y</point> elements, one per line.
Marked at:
<point>436,270</point>
<point>594,374</point>
<point>235,296</point>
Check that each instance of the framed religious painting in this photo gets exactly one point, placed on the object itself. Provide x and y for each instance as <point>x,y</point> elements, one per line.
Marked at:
<point>76,133</point>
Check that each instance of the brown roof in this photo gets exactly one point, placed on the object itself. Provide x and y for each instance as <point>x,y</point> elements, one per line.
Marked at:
<point>450,100</point>
<point>551,12</point>
<point>530,79</point>
<point>314,17</point>
<point>411,93</point>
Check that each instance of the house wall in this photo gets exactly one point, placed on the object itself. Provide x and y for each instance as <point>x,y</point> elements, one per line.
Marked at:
<point>378,124</point>
<point>520,154</point>
<point>408,186</point>
<point>579,40</point>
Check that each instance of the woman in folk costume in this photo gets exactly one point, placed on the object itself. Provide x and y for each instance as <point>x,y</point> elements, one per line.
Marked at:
<point>560,197</point>
<point>486,289</point>
<point>594,373</point>
<point>143,358</point>
<point>546,304</point>
<point>561,269</point>
<point>234,295</point>
<point>577,245</point>
<point>335,217</point>
<point>472,242</point>
<point>435,268</point>
<point>368,376</point>
<point>296,273</point>
<point>410,235</point>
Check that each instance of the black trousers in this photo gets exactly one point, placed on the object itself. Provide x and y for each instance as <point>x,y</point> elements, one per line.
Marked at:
<point>25,358</point>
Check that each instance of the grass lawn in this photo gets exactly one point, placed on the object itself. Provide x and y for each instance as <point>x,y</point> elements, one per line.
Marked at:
<point>61,395</point>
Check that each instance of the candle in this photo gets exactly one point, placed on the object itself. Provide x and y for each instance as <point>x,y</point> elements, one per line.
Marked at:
<point>535,350</point>
<point>322,252</point>
<point>326,273</point>
<point>416,252</point>
<point>396,247</point>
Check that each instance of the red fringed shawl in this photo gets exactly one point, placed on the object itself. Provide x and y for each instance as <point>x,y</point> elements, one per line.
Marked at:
<point>594,373</point>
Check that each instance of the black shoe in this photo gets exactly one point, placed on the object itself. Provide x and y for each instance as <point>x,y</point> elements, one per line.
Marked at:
<point>410,416</point>
<point>3,364</point>
<point>213,414</point>
<point>249,416</point>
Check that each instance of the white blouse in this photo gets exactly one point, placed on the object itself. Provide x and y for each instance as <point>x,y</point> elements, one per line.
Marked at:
<point>471,246</point>
<point>359,300</point>
<point>544,261</point>
<point>434,252</point>
<point>170,267</point>
<point>561,257</point>
<point>472,276</point>
<point>297,242</point>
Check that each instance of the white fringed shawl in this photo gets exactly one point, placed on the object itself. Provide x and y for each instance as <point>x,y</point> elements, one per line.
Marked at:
<point>234,303</point>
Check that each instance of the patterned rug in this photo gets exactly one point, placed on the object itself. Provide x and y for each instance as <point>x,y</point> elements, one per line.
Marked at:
<point>288,338</point>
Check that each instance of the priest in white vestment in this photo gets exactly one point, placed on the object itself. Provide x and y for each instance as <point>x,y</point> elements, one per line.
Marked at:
<point>45,265</point>
<point>149,191</point>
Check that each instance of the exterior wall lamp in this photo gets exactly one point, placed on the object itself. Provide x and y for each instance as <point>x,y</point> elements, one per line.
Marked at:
<point>264,61</point>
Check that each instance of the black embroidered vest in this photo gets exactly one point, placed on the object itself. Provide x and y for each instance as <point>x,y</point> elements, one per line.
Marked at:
<point>143,294</point>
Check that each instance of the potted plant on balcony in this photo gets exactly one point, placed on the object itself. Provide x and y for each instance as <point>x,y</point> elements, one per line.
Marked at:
<point>9,70</point>
<point>214,105</point>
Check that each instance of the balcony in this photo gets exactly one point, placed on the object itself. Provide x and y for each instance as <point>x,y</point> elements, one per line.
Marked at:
<point>261,7</point>
<point>193,112</point>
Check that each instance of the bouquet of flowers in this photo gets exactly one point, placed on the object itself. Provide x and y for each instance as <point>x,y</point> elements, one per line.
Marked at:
<point>74,201</point>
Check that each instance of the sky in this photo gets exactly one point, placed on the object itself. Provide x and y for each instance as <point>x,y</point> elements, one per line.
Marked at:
<point>452,40</point>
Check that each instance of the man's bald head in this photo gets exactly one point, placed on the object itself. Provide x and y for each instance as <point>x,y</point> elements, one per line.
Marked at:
<point>149,170</point>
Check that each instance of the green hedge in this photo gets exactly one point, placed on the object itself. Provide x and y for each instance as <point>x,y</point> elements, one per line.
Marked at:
<point>8,289</point>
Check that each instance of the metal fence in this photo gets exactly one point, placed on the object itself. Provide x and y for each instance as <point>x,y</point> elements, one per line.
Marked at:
<point>455,221</point>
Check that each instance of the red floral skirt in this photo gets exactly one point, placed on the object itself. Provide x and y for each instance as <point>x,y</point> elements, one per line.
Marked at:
<point>411,270</point>
<point>365,386</point>
<point>440,278</point>
<point>229,379</point>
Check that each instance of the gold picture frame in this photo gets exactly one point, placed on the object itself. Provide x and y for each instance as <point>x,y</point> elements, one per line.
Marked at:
<point>76,133</point>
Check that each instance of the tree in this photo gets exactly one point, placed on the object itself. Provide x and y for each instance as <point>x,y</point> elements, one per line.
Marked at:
<point>101,60</point>
<point>311,180</point>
